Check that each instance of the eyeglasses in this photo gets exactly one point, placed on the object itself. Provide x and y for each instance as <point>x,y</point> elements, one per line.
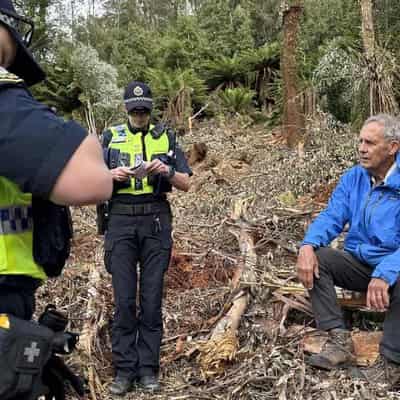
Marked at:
<point>139,112</point>
<point>21,25</point>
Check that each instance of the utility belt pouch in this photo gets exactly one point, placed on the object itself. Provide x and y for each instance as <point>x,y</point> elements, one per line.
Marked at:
<point>52,234</point>
<point>102,211</point>
<point>25,348</point>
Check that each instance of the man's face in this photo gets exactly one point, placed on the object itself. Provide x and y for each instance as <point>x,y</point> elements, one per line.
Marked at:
<point>139,118</point>
<point>8,47</point>
<point>376,153</point>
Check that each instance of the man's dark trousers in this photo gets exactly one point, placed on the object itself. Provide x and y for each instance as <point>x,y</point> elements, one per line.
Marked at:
<point>339,268</point>
<point>144,239</point>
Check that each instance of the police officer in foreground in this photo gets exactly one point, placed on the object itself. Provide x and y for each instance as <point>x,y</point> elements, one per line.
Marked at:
<point>41,158</point>
<point>146,163</point>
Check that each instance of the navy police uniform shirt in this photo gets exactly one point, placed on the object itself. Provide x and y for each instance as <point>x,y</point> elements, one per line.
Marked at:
<point>35,144</point>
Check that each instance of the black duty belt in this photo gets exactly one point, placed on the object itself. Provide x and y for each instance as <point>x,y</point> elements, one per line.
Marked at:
<point>139,209</point>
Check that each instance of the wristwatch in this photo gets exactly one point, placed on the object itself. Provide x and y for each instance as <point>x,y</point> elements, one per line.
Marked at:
<point>171,172</point>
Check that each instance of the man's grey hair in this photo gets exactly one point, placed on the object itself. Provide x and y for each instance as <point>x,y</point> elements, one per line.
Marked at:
<point>391,126</point>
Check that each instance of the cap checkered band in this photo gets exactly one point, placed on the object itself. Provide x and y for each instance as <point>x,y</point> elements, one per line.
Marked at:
<point>132,99</point>
<point>15,220</point>
<point>21,25</point>
<point>10,21</point>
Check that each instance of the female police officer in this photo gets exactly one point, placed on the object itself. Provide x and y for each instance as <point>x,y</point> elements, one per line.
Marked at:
<point>139,231</point>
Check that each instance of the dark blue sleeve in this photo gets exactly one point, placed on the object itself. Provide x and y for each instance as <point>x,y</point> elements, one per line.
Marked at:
<point>106,137</point>
<point>181,162</point>
<point>35,144</point>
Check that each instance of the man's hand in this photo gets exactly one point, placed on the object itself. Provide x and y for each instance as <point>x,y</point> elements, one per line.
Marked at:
<point>157,167</point>
<point>307,266</point>
<point>378,294</point>
<point>120,174</point>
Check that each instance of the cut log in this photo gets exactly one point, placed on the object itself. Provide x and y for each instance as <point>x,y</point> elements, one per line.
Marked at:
<point>223,343</point>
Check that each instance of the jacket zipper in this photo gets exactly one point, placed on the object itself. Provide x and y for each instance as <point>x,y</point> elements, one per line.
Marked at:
<point>144,147</point>
<point>374,206</point>
<point>365,208</point>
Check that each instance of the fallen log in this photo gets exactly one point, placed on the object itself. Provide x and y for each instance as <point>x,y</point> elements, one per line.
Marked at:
<point>223,343</point>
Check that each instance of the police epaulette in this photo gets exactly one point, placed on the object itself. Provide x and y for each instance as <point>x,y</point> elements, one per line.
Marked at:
<point>8,78</point>
<point>158,130</point>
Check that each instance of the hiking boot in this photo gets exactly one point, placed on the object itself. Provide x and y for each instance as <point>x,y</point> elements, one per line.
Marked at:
<point>150,383</point>
<point>121,385</point>
<point>383,371</point>
<point>336,353</point>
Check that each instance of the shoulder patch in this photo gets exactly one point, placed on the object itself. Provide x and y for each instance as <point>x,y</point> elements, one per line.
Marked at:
<point>119,134</point>
<point>158,130</point>
<point>7,77</point>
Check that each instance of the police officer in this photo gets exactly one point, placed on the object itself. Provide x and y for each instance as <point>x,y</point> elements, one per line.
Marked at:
<point>41,158</point>
<point>40,155</point>
<point>139,232</point>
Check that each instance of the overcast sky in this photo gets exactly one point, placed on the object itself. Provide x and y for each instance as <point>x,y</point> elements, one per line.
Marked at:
<point>62,12</point>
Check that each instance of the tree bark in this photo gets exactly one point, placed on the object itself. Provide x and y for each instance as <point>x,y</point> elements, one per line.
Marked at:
<point>367,28</point>
<point>293,119</point>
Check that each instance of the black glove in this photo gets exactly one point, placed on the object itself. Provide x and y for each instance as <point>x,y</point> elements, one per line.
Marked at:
<point>56,374</point>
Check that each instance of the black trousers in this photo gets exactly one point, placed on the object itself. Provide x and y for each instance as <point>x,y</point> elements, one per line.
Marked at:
<point>137,327</point>
<point>18,302</point>
<point>339,268</point>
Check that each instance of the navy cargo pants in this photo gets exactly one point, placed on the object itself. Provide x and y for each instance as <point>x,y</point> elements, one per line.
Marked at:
<point>133,240</point>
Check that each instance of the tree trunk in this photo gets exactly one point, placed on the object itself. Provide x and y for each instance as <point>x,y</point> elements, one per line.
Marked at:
<point>367,27</point>
<point>293,119</point>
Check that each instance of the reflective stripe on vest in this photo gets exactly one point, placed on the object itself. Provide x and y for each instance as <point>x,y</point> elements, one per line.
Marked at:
<point>16,238</point>
<point>15,220</point>
<point>131,148</point>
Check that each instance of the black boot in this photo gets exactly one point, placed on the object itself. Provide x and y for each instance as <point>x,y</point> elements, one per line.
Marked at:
<point>121,385</point>
<point>150,383</point>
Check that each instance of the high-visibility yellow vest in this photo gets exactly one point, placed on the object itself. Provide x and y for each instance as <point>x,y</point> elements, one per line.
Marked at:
<point>134,149</point>
<point>16,227</point>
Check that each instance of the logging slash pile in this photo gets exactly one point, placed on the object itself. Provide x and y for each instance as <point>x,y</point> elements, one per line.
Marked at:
<point>237,325</point>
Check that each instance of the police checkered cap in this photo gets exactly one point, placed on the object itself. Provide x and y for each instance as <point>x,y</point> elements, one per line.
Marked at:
<point>20,28</point>
<point>138,95</point>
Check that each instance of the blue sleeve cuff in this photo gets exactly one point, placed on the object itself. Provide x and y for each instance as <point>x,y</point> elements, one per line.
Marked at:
<point>388,277</point>
<point>314,245</point>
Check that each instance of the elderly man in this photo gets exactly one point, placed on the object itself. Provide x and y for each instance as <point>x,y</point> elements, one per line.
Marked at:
<point>367,199</point>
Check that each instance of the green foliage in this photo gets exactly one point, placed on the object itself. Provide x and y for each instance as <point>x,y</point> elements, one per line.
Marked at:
<point>224,72</point>
<point>131,49</point>
<point>167,85</point>
<point>190,48</point>
<point>227,27</point>
<point>98,82</point>
<point>184,45</point>
<point>60,90</point>
<point>237,100</point>
<point>323,22</point>
<point>388,23</point>
<point>334,77</point>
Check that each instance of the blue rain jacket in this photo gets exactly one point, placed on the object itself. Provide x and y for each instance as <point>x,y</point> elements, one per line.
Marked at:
<point>373,215</point>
